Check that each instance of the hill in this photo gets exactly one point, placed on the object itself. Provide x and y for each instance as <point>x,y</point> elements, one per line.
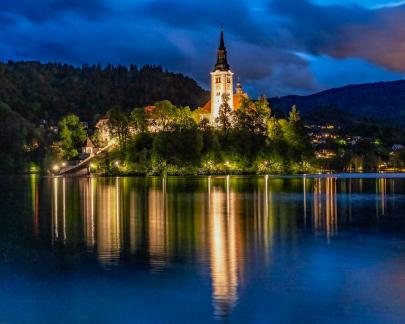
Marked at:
<point>382,101</point>
<point>49,91</point>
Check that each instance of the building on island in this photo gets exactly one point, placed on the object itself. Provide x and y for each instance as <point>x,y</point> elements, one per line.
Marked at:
<point>222,84</point>
<point>88,147</point>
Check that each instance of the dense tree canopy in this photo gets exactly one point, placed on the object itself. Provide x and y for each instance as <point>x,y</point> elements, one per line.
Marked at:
<point>50,91</point>
<point>72,136</point>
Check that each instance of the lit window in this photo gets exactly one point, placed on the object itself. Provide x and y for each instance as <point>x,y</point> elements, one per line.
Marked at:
<point>218,80</point>
<point>228,80</point>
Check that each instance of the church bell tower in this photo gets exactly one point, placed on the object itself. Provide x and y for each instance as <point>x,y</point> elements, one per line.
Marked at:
<point>221,80</point>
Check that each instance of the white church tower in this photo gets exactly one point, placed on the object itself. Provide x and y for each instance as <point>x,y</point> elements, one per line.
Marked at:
<point>221,80</point>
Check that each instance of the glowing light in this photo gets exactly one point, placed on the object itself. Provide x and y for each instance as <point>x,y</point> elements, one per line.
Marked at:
<point>55,167</point>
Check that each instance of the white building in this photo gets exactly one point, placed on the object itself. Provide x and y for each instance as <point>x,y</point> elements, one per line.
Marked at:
<point>222,83</point>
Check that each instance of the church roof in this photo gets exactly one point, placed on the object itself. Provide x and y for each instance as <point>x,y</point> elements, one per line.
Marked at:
<point>222,55</point>
<point>88,143</point>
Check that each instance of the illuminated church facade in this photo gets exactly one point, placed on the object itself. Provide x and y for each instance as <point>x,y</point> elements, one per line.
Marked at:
<point>222,83</point>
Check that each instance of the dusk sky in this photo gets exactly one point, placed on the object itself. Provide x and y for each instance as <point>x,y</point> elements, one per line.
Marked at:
<point>276,47</point>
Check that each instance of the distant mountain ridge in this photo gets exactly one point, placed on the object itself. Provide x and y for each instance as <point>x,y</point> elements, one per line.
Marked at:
<point>384,101</point>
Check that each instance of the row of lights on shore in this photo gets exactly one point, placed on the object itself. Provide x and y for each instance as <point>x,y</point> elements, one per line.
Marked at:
<point>57,167</point>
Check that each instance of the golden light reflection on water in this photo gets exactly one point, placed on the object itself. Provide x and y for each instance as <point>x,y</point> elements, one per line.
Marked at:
<point>224,248</point>
<point>158,226</point>
<point>88,190</point>
<point>108,223</point>
<point>34,183</point>
<point>325,206</point>
<point>221,222</point>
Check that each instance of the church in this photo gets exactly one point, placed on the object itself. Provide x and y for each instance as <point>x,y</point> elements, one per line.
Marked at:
<point>222,83</point>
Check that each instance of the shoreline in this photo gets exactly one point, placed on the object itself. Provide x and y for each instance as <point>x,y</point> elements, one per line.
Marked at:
<point>337,175</point>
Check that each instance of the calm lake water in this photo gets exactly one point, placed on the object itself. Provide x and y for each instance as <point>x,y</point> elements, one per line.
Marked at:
<point>202,249</point>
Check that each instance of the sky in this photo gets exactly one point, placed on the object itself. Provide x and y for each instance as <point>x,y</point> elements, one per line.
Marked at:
<point>275,47</point>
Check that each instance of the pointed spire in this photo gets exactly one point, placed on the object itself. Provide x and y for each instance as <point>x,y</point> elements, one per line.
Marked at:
<point>239,89</point>
<point>222,42</point>
<point>222,60</point>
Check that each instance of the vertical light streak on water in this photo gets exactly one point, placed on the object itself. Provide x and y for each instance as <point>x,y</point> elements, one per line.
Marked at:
<point>266,219</point>
<point>89,217</point>
<point>158,228</point>
<point>64,209</point>
<point>383,186</point>
<point>55,226</point>
<point>304,186</point>
<point>108,232</point>
<point>92,224</point>
<point>117,213</point>
<point>132,223</point>
<point>35,203</point>
<point>224,265</point>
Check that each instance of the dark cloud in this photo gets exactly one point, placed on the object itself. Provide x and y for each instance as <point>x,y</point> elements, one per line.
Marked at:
<point>376,35</point>
<point>234,14</point>
<point>44,10</point>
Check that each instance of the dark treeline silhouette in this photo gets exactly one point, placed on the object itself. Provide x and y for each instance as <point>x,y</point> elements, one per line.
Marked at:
<point>49,91</point>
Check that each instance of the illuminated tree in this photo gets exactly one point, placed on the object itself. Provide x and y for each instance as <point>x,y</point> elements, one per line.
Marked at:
<point>72,136</point>
<point>119,125</point>
<point>225,114</point>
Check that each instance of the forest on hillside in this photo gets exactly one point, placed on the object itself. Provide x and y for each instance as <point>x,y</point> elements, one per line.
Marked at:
<point>49,91</point>
<point>377,102</point>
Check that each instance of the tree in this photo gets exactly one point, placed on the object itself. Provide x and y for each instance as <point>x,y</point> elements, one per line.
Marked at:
<point>182,146</point>
<point>253,116</point>
<point>184,118</point>
<point>138,120</point>
<point>274,132</point>
<point>72,136</point>
<point>164,115</point>
<point>294,116</point>
<point>225,114</point>
<point>119,125</point>
<point>295,136</point>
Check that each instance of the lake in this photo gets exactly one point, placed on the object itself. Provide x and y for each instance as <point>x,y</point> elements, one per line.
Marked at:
<point>202,249</point>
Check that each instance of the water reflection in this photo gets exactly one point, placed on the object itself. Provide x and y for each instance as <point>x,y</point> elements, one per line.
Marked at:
<point>158,225</point>
<point>325,206</point>
<point>108,223</point>
<point>225,245</point>
<point>221,223</point>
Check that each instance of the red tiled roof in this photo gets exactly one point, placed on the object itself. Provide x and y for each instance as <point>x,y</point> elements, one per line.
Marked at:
<point>237,102</point>
<point>149,109</point>
<point>88,143</point>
